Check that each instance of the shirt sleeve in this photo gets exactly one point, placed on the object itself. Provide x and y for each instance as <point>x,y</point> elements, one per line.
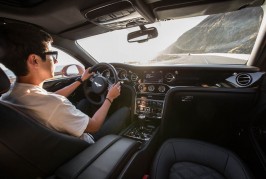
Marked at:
<point>68,119</point>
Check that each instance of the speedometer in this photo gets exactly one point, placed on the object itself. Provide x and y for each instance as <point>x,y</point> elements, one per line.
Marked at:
<point>106,73</point>
<point>122,74</point>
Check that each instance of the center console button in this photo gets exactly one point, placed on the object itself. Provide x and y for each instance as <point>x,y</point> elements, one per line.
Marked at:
<point>161,88</point>
<point>151,87</point>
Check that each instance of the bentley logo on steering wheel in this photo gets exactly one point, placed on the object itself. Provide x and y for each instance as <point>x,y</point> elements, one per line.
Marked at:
<point>97,84</point>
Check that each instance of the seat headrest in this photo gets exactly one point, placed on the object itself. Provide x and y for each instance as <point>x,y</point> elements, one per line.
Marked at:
<point>5,82</point>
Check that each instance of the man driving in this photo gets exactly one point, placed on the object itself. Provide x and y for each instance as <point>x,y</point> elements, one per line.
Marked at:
<point>29,56</point>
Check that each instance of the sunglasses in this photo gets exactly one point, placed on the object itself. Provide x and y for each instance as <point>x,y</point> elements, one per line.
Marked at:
<point>54,54</point>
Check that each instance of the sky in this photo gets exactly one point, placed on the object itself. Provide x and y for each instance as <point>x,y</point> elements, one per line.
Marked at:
<point>113,46</point>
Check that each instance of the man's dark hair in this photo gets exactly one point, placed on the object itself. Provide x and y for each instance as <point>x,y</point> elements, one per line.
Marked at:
<point>18,41</point>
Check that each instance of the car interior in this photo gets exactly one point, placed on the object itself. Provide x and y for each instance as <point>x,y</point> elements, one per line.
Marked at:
<point>202,119</point>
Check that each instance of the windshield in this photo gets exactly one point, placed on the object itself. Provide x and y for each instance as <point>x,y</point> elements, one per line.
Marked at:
<point>215,39</point>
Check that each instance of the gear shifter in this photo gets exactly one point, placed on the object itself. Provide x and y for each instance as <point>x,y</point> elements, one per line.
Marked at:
<point>141,119</point>
<point>142,130</point>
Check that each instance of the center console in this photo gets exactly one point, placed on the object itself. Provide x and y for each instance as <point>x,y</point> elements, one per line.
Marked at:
<point>150,106</point>
<point>141,130</point>
<point>148,111</point>
<point>106,158</point>
<point>150,95</point>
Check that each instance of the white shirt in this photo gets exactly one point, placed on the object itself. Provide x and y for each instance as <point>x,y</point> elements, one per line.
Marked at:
<point>52,110</point>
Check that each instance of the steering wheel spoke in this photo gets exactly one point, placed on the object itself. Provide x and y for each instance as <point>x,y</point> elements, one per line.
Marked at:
<point>110,83</point>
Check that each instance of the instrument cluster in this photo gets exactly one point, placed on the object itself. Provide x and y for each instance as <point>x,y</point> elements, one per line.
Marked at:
<point>147,81</point>
<point>121,73</point>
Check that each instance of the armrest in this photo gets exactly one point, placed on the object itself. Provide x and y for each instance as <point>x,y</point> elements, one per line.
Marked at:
<point>104,159</point>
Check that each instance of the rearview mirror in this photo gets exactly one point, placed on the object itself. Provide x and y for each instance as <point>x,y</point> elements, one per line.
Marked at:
<point>142,35</point>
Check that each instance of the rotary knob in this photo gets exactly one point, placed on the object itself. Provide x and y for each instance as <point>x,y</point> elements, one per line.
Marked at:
<point>141,88</point>
<point>161,88</point>
<point>151,87</point>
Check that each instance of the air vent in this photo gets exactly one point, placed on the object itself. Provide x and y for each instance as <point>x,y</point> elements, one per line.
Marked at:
<point>169,77</point>
<point>134,77</point>
<point>243,79</point>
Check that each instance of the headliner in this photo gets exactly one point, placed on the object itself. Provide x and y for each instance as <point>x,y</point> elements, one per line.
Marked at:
<point>66,18</point>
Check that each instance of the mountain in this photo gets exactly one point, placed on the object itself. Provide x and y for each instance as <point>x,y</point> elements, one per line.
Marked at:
<point>233,32</point>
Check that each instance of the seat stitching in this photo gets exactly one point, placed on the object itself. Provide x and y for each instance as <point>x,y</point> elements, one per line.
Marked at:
<point>226,163</point>
<point>174,150</point>
<point>238,161</point>
<point>157,162</point>
<point>204,168</point>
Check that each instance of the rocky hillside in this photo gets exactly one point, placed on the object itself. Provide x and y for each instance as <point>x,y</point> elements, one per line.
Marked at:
<point>233,32</point>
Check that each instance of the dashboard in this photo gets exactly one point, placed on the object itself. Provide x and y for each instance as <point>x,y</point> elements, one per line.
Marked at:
<point>151,84</point>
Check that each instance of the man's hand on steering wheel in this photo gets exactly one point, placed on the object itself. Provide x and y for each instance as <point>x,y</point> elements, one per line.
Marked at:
<point>96,90</point>
<point>114,91</point>
<point>86,75</point>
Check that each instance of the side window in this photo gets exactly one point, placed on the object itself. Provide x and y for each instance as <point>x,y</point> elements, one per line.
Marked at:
<point>67,65</point>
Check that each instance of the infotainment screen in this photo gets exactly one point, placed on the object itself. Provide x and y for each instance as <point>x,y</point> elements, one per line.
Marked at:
<point>153,77</point>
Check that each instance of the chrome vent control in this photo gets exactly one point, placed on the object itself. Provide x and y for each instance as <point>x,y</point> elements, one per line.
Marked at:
<point>169,77</point>
<point>134,77</point>
<point>243,79</point>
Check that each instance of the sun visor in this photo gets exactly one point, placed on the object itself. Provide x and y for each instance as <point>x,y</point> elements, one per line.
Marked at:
<point>182,9</point>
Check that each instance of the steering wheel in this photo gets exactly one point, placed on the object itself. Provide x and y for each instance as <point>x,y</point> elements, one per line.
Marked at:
<point>99,84</point>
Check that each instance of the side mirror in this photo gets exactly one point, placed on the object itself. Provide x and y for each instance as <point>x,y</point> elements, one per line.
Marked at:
<point>142,35</point>
<point>72,70</point>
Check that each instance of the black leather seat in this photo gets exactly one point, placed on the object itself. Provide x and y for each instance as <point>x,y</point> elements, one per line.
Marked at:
<point>191,159</point>
<point>28,149</point>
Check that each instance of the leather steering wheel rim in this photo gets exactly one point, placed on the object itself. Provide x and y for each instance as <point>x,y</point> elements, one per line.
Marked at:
<point>99,84</point>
